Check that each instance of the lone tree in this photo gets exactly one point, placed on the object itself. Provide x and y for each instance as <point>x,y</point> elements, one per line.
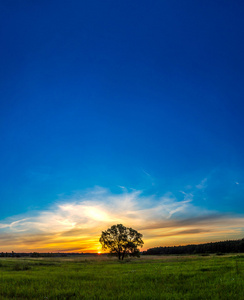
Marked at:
<point>121,241</point>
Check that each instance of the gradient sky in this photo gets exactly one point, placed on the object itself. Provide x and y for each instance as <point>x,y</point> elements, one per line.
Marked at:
<point>120,112</point>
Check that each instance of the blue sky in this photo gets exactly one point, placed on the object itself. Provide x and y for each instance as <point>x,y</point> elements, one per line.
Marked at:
<point>133,98</point>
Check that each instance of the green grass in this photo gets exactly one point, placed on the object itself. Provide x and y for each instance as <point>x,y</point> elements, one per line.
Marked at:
<point>165,277</point>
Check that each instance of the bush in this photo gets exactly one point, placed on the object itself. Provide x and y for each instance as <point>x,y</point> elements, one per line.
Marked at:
<point>21,267</point>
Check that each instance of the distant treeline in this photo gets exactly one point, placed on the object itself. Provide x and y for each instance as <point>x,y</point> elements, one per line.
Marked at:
<point>49,254</point>
<point>235,246</point>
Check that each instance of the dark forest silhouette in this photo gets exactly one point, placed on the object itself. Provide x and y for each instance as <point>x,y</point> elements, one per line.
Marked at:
<point>229,246</point>
<point>232,246</point>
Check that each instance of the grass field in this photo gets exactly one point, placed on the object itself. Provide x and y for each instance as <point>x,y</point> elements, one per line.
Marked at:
<point>159,277</point>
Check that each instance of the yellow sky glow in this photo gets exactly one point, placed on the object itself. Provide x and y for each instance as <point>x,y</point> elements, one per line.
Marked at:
<point>76,226</point>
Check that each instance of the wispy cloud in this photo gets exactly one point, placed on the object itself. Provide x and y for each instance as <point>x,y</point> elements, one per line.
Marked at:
<point>149,176</point>
<point>202,185</point>
<point>76,223</point>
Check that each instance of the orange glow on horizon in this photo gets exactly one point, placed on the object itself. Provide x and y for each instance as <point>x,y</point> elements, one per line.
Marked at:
<point>76,226</point>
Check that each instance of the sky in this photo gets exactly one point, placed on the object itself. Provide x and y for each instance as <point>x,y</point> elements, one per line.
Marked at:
<point>120,112</point>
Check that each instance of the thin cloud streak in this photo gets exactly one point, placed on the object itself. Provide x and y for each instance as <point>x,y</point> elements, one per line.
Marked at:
<point>76,223</point>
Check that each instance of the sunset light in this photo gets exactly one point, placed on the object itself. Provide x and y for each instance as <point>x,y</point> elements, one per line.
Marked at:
<point>122,149</point>
<point>120,112</point>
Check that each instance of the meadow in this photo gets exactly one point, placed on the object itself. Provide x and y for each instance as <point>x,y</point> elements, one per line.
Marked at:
<point>148,277</point>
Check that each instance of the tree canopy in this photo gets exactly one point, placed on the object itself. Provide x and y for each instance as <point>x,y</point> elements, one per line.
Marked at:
<point>121,241</point>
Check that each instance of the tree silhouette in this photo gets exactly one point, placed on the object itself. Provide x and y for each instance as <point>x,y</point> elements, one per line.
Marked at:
<point>121,241</point>
<point>232,246</point>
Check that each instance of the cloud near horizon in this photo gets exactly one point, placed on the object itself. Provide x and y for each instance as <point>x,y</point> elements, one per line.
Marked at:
<point>75,224</point>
